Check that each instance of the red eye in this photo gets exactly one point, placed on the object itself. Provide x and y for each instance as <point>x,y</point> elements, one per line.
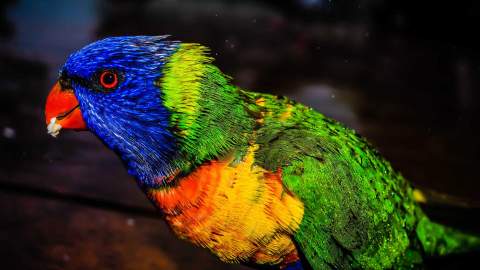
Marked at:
<point>108,79</point>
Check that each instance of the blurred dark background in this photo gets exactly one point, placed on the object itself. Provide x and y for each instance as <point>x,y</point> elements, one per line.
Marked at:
<point>405,74</point>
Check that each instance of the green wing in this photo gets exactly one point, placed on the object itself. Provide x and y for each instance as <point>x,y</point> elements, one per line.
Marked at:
<point>358,211</point>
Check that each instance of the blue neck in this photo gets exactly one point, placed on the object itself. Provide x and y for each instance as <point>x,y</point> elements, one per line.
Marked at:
<point>131,119</point>
<point>143,142</point>
<point>133,122</point>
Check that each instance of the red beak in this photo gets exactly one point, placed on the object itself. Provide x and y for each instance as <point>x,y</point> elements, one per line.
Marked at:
<point>63,106</point>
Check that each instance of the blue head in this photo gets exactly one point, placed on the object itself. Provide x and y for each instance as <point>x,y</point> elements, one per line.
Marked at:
<point>115,81</point>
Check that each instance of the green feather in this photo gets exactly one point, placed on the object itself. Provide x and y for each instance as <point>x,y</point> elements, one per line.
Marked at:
<point>359,212</point>
<point>207,115</point>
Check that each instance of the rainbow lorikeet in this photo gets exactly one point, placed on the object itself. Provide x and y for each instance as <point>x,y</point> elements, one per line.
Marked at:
<point>255,178</point>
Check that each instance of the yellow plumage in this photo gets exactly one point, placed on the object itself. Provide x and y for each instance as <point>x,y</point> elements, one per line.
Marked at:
<point>239,211</point>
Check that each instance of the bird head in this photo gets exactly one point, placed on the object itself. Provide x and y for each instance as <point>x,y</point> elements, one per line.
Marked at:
<point>159,104</point>
<point>109,87</point>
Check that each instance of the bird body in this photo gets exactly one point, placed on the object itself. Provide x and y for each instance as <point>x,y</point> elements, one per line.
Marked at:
<point>255,178</point>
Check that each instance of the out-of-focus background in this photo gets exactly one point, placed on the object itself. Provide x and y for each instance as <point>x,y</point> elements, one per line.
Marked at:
<point>405,74</point>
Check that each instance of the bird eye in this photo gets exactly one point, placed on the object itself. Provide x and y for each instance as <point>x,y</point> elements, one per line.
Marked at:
<point>108,79</point>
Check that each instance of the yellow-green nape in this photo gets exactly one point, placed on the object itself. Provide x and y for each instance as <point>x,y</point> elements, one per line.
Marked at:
<point>181,83</point>
<point>207,113</point>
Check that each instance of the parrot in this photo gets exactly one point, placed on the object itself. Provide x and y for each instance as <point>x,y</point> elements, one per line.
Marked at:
<point>256,179</point>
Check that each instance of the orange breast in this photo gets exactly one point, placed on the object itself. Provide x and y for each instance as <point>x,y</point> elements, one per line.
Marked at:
<point>239,211</point>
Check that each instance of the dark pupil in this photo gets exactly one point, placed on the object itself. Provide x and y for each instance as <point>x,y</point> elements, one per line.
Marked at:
<point>108,78</point>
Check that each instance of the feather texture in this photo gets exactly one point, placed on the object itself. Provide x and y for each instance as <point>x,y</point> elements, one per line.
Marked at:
<point>254,178</point>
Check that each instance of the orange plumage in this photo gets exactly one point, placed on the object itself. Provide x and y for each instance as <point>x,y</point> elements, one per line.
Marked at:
<point>238,210</point>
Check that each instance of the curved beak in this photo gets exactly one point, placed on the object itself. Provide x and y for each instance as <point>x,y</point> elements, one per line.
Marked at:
<point>62,110</point>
